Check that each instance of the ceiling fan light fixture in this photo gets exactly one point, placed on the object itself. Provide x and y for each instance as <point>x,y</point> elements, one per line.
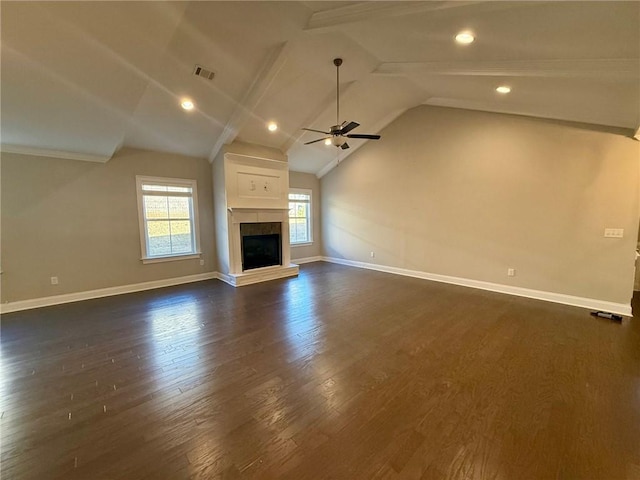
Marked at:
<point>465,38</point>
<point>337,140</point>
<point>187,104</point>
<point>327,141</point>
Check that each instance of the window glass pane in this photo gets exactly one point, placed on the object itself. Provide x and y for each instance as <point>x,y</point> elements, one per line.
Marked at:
<point>168,215</point>
<point>179,207</point>
<point>181,238</point>
<point>299,196</point>
<point>299,217</point>
<point>159,238</point>
<point>301,230</point>
<point>154,188</point>
<point>301,210</point>
<point>292,231</point>
<point>155,207</point>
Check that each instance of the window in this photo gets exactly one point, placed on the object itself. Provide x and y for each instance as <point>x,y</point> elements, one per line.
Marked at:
<point>168,215</point>
<point>300,216</point>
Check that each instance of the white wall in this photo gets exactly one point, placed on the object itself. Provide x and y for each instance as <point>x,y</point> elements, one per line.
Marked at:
<point>470,194</point>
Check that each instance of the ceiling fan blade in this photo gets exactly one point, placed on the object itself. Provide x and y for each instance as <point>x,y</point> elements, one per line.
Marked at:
<point>349,127</point>
<point>317,131</point>
<point>318,140</point>
<point>344,146</point>
<point>363,135</point>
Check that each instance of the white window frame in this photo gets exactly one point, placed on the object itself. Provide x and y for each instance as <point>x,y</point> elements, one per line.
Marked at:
<point>309,192</point>
<point>195,223</point>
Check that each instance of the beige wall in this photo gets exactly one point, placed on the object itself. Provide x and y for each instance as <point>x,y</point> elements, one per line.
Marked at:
<point>470,194</point>
<point>220,214</point>
<point>79,221</point>
<point>311,182</point>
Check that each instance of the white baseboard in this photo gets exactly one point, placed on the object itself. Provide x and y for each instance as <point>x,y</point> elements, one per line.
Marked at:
<point>102,292</point>
<point>300,261</point>
<point>593,304</point>
<point>590,303</point>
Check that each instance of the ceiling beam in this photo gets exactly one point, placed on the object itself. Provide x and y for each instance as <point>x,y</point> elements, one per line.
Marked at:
<point>43,152</point>
<point>365,11</point>
<point>584,116</point>
<point>268,72</point>
<point>372,10</point>
<point>621,68</point>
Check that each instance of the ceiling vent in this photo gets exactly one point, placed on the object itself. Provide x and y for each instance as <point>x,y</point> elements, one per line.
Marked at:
<point>200,71</point>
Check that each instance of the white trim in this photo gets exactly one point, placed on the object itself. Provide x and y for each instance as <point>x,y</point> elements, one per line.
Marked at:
<point>368,11</point>
<point>622,68</point>
<point>302,244</point>
<point>103,292</point>
<point>43,152</point>
<point>308,192</point>
<point>269,70</point>
<point>142,221</point>
<point>590,303</point>
<point>300,261</point>
<point>171,258</point>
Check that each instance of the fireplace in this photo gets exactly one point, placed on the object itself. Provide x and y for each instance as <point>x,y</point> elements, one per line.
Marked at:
<point>252,219</point>
<point>261,245</point>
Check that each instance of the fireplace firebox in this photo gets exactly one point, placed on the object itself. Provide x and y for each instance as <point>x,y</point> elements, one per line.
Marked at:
<point>261,245</point>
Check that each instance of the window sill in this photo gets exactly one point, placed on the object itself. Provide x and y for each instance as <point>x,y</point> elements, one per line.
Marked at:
<point>305,244</point>
<point>170,258</point>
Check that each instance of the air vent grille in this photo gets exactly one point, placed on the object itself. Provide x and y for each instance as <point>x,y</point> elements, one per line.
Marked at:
<point>200,71</point>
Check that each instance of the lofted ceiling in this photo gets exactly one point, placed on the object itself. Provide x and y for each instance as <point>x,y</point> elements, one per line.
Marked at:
<point>87,78</point>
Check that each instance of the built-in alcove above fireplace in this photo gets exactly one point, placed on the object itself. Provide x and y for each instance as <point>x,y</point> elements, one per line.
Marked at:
<point>252,222</point>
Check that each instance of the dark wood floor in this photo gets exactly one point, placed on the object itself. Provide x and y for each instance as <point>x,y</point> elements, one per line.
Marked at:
<point>340,373</point>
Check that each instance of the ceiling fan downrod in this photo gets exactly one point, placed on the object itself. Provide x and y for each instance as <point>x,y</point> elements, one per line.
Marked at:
<point>337,62</point>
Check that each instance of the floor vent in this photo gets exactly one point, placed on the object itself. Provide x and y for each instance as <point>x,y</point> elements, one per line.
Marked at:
<point>200,71</point>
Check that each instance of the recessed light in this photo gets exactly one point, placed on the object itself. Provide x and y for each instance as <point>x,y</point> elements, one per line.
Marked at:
<point>187,104</point>
<point>272,126</point>
<point>465,38</point>
<point>327,141</point>
<point>503,89</point>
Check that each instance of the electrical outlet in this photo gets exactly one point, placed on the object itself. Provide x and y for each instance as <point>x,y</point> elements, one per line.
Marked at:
<point>54,280</point>
<point>614,232</point>
<point>373,254</point>
<point>202,261</point>
<point>511,272</point>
